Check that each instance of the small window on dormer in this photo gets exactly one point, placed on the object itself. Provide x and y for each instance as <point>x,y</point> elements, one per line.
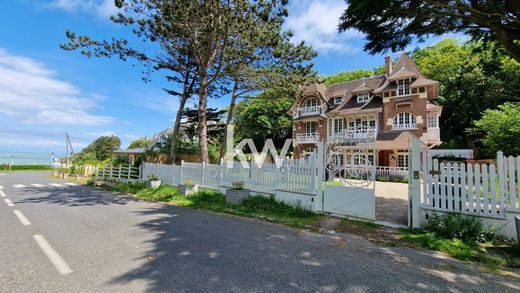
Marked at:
<point>363,97</point>
<point>337,100</point>
<point>403,87</point>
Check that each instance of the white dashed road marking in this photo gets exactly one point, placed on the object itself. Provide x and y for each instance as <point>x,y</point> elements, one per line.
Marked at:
<point>61,266</point>
<point>38,185</point>
<point>55,184</point>
<point>9,202</point>
<point>1,174</point>
<point>2,193</point>
<point>1,187</point>
<point>71,184</point>
<point>18,185</point>
<point>22,218</point>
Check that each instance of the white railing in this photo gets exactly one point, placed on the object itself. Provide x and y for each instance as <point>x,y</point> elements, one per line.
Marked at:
<point>392,171</point>
<point>434,134</point>
<point>308,111</point>
<point>353,134</point>
<point>476,189</point>
<point>307,137</point>
<point>459,153</point>
<point>118,173</point>
<point>404,126</point>
<point>294,175</point>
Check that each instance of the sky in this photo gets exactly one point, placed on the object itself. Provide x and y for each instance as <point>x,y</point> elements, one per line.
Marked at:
<point>46,92</point>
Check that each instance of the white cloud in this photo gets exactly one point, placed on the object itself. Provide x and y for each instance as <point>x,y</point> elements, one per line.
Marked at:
<point>31,94</point>
<point>101,133</point>
<point>316,22</point>
<point>102,8</point>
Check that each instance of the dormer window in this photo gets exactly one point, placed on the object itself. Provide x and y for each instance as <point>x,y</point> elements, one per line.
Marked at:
<point>363,97</point>
<point>337,100</point>
<point>403,87</point>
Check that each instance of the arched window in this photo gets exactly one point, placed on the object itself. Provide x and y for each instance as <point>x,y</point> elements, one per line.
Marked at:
<point>404,120</point>
<point>310,102</point>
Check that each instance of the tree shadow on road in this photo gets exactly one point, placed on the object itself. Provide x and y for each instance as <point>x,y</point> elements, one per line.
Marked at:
<point>199,251</point>
<point>72,196</point>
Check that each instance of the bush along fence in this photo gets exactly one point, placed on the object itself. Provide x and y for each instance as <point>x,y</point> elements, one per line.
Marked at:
<point>488,191</point>
<point>118,173</point>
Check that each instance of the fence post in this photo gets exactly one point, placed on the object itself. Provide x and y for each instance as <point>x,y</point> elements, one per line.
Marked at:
<point>182,163</point>
<point>129,172</point>
<point>202,174</point>
<point>220,175</point>
<point>319,171</point>
<point>414,189</point>
<point>501,182</point>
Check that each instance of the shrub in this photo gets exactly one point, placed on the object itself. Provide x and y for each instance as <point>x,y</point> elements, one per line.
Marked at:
<point>456,226</point>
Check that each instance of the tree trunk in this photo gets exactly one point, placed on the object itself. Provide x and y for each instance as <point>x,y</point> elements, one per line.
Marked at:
<point>229,119</point>
<point>176,126</point>
<point>507,39</point>
<point>203,96</point>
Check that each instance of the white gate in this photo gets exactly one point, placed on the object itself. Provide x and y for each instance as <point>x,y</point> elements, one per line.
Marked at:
<point>349,188</point>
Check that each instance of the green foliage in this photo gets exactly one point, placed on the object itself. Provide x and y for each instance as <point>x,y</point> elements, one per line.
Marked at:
<point>454,247</point>
<point>473,78</point>
<point>345,76</point>
<point>393,25</point>
<point>26,167</point>
<point>499,129</point>
<point>456,226</point>
<point>140,143</point>
<point>100,149</point>
<point>264,117</point>
<point>255,206</point>
<point>153,178</point>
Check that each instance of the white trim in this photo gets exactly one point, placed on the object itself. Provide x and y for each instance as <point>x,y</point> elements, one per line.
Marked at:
<point>363,97</point>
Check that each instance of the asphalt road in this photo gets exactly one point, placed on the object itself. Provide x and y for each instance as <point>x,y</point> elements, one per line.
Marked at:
<point>66,238</point>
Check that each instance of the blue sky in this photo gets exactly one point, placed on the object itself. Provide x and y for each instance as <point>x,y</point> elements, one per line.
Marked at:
<point>46,91</point>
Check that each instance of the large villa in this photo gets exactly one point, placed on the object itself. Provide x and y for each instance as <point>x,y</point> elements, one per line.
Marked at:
<point>392,107</point>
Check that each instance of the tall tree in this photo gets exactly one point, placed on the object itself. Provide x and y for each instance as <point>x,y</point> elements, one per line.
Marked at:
<point>265,116</point>
<point>270,66</point>
<point>168,53</point>
<point>473,78</point>
<point>394,24</point>
<point>103,147</point>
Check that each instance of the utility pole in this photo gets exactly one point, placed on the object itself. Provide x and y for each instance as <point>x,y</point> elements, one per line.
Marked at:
<point>68,144</point>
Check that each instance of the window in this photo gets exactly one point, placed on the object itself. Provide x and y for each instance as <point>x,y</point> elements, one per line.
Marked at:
<point>433,121</point>
<point>403,87</point>
<point>404,120</point>
<point>337,100</point>
<point>363,97</point>
<point>311,102</point>
<point>372,123</point>
<point>310,127</point>
<point>338,125</point>
<point>402,160</point>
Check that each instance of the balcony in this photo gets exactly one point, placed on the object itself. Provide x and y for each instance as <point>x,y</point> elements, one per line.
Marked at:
<point>308,111</point>
<point>365,133</point>
<point>404,126</point>
<point>307,137</point>
<point>434,135</point>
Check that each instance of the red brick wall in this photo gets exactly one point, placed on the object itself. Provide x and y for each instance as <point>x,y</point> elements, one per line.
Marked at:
<point>300,127</point>
<point>417,107</point>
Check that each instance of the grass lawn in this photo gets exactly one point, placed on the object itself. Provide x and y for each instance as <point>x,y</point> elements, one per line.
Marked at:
<point>493,256</point>
<point>266,208</point>
<point>18,168</point>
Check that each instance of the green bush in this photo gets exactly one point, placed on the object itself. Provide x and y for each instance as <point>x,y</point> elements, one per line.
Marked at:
<point>456,226</point>
<point>26,167</point>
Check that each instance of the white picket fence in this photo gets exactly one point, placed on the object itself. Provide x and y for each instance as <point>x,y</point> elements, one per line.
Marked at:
<point>294,175</point>
<point>118,173</point>
<point>475,189</point>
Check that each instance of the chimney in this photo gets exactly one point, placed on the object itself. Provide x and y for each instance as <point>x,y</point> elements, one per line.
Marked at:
<point>388,65</point>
